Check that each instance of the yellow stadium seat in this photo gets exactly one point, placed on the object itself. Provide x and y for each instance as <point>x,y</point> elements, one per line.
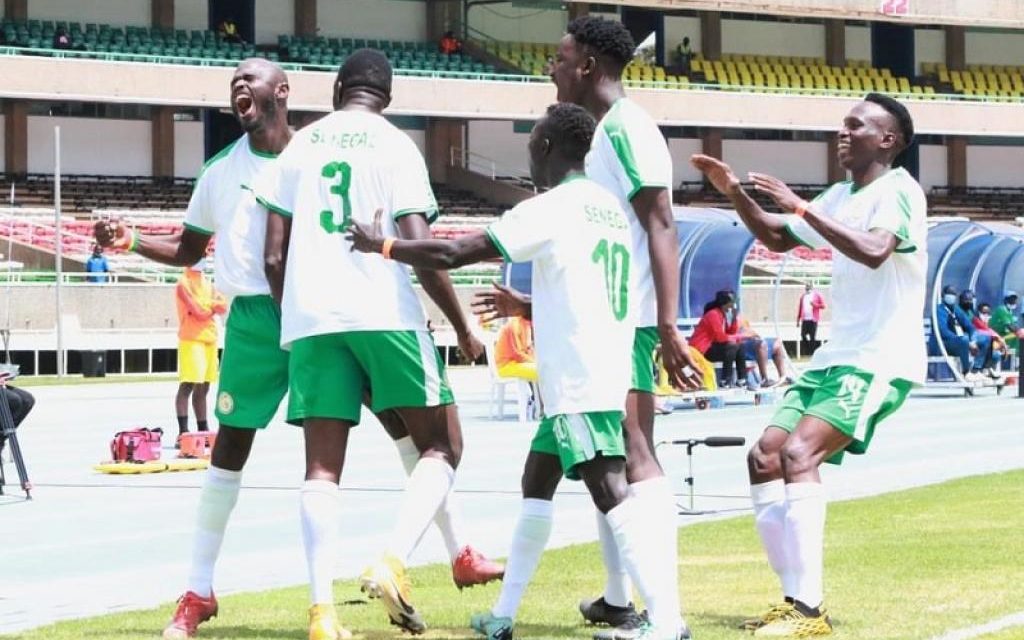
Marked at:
<point>904,85</point>
<point>891,85</point>
<point>927,68</point>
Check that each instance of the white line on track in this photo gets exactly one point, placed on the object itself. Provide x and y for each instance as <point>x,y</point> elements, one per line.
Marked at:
<point>1012,620</point>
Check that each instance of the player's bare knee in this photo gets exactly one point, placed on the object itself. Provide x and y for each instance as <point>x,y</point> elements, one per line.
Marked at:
<point>762,463</point>
<point>798,457</point>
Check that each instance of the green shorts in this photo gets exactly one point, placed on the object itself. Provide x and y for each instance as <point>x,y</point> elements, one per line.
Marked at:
<point>848,398</point>
<point>399,368</point>
<point>645,339</point>
<point>254,368</point>
<point>578,437</point>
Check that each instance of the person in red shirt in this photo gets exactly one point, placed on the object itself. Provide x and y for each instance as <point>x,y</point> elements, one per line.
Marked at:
<point>717,337</point>
<point>980,322</point>
<point>808,315</point>
<point>450,44</point>
<point>197,303</point>
<point>513,351</point>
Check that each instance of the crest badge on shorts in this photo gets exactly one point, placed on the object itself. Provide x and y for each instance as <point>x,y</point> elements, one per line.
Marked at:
<point>225,402</point>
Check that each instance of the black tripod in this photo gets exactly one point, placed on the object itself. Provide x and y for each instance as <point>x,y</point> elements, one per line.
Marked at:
<point>11,436</point>
<point>714,441</point>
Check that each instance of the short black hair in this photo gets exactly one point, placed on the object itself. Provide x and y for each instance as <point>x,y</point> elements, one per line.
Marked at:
<point>898,112</point>
<point>366,69</point>
<point>570,129</point>
<point>608,38</point>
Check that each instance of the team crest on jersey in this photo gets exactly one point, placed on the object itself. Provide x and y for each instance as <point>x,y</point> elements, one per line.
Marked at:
<point>225,402</point>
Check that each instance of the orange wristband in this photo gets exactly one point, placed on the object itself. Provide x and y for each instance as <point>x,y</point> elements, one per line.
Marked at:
<point>801,208</point>
<point>386,249</point>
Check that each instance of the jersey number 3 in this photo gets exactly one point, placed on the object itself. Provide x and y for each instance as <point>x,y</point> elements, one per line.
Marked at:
<point>340,174</point>
<point>614,259</point>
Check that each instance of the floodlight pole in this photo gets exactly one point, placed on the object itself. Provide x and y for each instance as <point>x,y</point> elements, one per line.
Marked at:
<point>59,255</point>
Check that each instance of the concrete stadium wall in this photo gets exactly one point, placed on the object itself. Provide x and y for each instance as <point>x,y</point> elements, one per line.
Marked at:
<point>518,24</point>
<point>773,38</point>
<point>387,19</point>
<point>991,166</point>
<point>495,139</point>
<point>191,14</point>
<point>273,17</point>
<point>3,141</point>
<point>933,165</point>
<point>91,145</point>
<point>116,12</point>
<point>789,161</point>
<point>188,149</point>
<point>929,46</point>
<point>987,47</point>
<point>858,42</point>
<point>679,27</point>
<point>681,150</point>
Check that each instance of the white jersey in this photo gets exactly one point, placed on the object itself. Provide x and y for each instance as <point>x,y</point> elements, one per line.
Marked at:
<point>346,166</point>
<point>629,153</point>
<point>223,204</point>
<point>876,313</point>
<point>577,238</point>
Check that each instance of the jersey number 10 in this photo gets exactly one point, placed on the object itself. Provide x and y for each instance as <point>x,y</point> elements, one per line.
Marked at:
<point>339,173</point>
<point>614,259</point>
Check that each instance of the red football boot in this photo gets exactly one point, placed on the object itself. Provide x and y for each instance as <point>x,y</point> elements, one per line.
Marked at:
<point>193,610</point>
<point>471,567</point>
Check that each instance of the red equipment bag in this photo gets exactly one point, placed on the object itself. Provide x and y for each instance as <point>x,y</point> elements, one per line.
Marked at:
<point>137,445</point>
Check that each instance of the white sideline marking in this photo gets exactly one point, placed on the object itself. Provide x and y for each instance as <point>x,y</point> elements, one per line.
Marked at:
<point>1011,620</point>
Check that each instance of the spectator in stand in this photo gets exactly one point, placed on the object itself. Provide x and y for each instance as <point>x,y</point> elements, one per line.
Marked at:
<point>513,351</point>
<point>757,348</point>
<point>967,302</point>
<point>960,337</point>
<point>197,304</point>
<point>684,54</point>
<point>450,44</point>
<point>981,323</point>
<point>61,39</point>
<point>808,315</point>
<point>717,337</point>
<point>97,266</point>
<point>1006,320</point>
<point>228,30</point>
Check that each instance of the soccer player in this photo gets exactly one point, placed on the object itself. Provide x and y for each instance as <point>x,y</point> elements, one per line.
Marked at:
<point>577,237</point>
<point>354,322</point>
<point>875,224</point>
<point>630,158</point>
<point>254,375</point>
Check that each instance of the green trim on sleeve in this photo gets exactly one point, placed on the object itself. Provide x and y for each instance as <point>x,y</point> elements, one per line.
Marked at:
<point>497,243</point>
<point>197,229</point>
<point>430,213</point>
<point>270,206</point>
<point>793,234</point>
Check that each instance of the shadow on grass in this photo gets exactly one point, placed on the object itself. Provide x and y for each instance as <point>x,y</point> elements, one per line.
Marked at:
<point>218,633</point>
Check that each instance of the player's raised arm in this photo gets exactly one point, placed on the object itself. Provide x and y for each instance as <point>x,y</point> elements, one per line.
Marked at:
<point>431,254</point>
<point>180,249</point>
<point>769,229</point>
<point>870,248</point>
<point>438,286</point>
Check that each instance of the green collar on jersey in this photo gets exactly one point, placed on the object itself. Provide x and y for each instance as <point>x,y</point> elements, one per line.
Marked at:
<point>854,189</point>
<point>260,154</point>
<point>573,177</point>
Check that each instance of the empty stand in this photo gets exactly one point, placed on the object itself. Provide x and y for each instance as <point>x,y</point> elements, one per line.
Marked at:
<point>986,80</point>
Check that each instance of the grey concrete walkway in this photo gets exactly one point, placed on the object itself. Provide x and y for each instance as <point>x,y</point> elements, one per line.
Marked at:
<point>80,547</point>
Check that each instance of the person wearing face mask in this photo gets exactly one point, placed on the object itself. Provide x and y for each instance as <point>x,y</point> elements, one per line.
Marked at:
<point>717,337</point>
<point>1006,320</point>
<point>981,322</point>
<point>960,337</point>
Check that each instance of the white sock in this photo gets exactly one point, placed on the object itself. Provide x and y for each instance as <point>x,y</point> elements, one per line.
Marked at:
<point>216,501</point>
<point>320,510</point>
<point>805,540</point>
<point>769,500</point>
<point>448,518</point>
<point>428,486</point>
<point>650,557</point>
<point>618,588</point>
<point>528,541</point>
<point>659,505</point>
